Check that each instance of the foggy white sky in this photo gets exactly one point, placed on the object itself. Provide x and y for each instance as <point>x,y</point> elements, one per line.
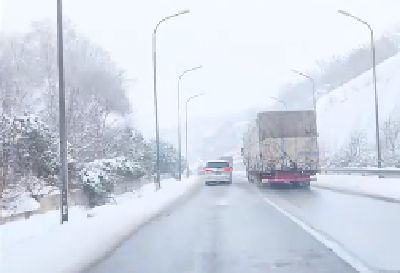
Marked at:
<point>247,47</point>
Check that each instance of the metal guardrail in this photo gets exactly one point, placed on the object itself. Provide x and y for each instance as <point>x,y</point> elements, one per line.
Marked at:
<point>383,172</point>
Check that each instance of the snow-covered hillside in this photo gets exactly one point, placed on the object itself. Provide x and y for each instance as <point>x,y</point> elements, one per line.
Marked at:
<point>351,108</point>
<point>341,113</point>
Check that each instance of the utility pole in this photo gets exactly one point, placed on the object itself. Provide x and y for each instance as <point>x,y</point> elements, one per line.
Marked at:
<point>63,117</point>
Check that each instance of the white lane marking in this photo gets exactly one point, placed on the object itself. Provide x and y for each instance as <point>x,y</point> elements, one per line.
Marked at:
<point>342,253</point>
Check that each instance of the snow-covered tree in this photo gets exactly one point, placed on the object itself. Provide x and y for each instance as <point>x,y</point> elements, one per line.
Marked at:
<point>92,83</point>
<point>100,177</point>
<point>101,152</point>
<point>30,155</point>
<point>168,158</point>
<point>356,153</point>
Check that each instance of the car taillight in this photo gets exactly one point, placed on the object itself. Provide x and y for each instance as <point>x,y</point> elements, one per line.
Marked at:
<point>208,170</point>
<point>228,169</point>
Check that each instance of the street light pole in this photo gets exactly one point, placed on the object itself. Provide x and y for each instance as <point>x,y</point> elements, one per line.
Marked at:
<point>154,49</point>
<point>63,117</point>
<point>313,86</point>
<point>378,145</point>
<point>280,101</point>
<point>186,134</point>
<point>179,122</point>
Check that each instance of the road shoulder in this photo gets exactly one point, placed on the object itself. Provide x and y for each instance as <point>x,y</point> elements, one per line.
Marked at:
<point>385,189</point>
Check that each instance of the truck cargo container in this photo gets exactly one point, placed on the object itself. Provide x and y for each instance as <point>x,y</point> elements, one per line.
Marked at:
<point>282,147</point>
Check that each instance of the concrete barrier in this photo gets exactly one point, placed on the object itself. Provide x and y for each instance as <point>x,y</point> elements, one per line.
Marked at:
<point>47,203</point>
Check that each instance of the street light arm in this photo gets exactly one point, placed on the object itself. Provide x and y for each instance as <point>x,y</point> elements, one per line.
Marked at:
<point>280,101</point>
<point>313,86</point>
<point>167,18</point>
<point>304,75</point>
<point>191,69</point>
<point>195,96</point>
<point>345,13</point>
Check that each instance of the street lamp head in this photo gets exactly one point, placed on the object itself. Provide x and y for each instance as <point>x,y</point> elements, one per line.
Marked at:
<point>198,95</point>
<point>189,70</point>
<point>297,72</point>
<point>184,12</point>
<point>194,96</point>
<point>343,12</point>
<point>196,67</point>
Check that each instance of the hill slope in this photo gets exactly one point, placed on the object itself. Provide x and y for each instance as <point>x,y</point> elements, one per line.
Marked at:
<point>351,108</point>
<point>341,113</point>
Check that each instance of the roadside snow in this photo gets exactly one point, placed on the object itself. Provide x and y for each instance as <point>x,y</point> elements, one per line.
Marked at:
<point>22,204</point>
<point>370,185</point>
<point>41,244</point>
<point>368,168</point>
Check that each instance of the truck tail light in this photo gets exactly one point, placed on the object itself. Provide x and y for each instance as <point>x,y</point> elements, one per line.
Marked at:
<point>228,169</point>
<point>207,170</point>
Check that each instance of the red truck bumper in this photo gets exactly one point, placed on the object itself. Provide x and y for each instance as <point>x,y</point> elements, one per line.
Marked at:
<point>287,178</point>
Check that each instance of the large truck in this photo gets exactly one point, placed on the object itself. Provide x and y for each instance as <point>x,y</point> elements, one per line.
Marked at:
<point>282,147</point>
<point>227,158</point>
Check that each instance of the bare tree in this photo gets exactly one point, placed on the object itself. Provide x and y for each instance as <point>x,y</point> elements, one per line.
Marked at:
<point>391,140</point>
<point>356,151</point>
<point>93,81</point>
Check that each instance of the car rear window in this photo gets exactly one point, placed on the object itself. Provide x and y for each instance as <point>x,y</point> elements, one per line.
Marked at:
<point>217,164</point>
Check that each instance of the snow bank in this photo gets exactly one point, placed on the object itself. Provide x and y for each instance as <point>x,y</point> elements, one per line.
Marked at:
<point>22,204</point>
<point>385,188</point>
<point>41,244</point>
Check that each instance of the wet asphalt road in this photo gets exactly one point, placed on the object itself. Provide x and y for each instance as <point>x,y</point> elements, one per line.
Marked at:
<point>368,228</point>
<point>224,229</point>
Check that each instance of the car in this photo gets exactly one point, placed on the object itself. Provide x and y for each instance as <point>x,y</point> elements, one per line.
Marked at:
<point>217,172</point>
<point>229,159</point>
